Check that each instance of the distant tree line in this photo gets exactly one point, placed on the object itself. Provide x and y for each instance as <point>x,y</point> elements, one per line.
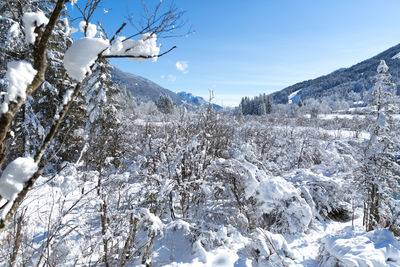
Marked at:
<point>259,105</point>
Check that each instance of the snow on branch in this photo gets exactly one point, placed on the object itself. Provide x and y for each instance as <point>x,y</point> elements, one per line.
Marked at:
<point>83,53</point>
<point>145,46</point>
<point>14,177</point>
<point>31,21</point>
<point>19,75</point>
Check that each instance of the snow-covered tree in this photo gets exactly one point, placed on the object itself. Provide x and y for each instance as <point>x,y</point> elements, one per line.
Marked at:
<point>165,104</point>
<point>26,75</point>
<point>380,169</point>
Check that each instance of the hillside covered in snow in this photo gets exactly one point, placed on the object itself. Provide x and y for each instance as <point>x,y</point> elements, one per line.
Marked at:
<point>345,82</point>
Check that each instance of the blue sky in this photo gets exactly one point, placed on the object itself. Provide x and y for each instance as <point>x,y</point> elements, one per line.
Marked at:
<point>244,48</point>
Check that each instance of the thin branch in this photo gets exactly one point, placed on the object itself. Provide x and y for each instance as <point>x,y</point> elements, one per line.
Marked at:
<point>117,32</point>
<point>12,11</point>
<point>102,29</point>
<point>143,57</point>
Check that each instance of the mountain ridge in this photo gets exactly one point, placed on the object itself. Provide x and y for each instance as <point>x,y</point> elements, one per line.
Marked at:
<point>340,83</point>
<point>140,88</point>
<point>143,89</point>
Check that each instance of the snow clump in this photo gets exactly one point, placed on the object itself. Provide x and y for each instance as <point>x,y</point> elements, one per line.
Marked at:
<point>81,55</point>
<point>91,29</point>
<point>84,52</point>
<point>19,75</point>
<point>382,68</point>
<point>15,175</point>
<point>358,248</point>
<point>31,20</point>
<point>145,46</point>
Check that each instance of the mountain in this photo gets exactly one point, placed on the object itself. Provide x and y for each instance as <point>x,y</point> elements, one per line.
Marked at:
<point>196,100</point>
<point>340,83</point>
<point>141,88</point>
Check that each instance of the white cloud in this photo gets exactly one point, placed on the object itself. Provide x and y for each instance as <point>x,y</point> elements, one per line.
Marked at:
<point>171,78</point>
<point>162,76</point>
<point>182,66</point>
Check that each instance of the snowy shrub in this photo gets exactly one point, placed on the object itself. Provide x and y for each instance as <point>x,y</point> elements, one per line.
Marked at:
<point>327,196</point>
<point>354,247</point>
<point>277,201</point>
<point>268,249</point>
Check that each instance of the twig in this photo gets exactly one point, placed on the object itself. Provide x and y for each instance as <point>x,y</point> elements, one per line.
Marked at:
<point>144,57</point>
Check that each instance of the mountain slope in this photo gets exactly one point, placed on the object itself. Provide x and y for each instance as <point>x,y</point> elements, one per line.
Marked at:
<point>196,100</point>
<point>141,88</point>
<point>340,83</point>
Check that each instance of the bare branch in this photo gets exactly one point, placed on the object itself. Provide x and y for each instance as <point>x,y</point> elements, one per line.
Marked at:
<point>12,11</point>
<point>144,57</point>
<point>87,13</point>
<point>159,23</point>
<point>117,32</point>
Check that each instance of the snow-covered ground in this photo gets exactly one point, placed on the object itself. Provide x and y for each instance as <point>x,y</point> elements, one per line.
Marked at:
<point>306,246</point>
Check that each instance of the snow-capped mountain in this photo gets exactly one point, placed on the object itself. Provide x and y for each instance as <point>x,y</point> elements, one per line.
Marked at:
<point>358,78</point>
<point>196,100</point>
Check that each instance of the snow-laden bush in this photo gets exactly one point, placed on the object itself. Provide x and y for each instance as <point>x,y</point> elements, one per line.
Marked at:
<point>267,201</point>
<point>268,249</point>
<point>327,196</point>
<point>339,158</point>
<point>181,243</point>
<point>354,247</point>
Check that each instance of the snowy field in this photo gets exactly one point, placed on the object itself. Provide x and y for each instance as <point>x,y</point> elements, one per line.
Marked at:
<point>299,183</point>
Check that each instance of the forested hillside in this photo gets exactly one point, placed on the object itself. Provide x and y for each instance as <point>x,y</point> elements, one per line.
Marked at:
<point>91,178</point>
<point>351,83</point>
<point>142,89</point>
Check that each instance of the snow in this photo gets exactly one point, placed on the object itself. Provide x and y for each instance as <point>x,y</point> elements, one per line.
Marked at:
<point>31,20</point>
<point>305,246</point>
<point>355,247</point>
<point>145,46</point>
<point>382,68</point>
<point>13,32</point>
<point>81,55</point>
<point>84,52</point>
<point>294,97</point>
<point>82,25</point>
<point>19,75</point>
<point>15,175</point>
<point>397,56</point>
<point>68,29</point>
<point>73,2</point>
<point>118,45</point>
<point>91,29</point>
<point>67,96</point>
